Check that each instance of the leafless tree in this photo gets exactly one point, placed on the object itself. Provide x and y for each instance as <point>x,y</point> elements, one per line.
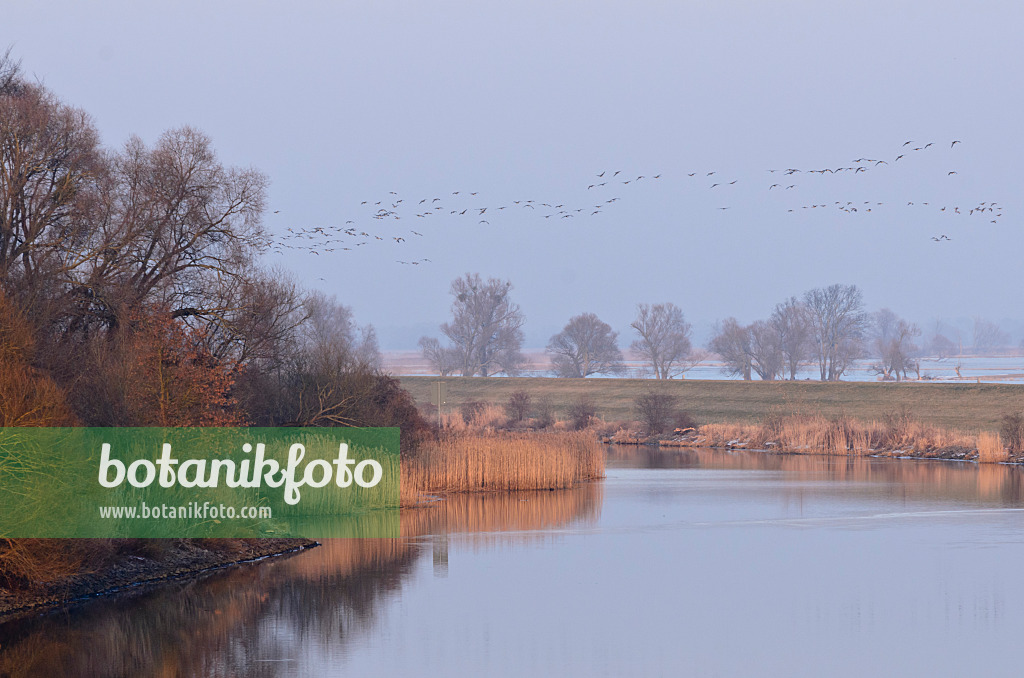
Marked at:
<point>940,345</point>
<point>330,335</point>
<point>766,356</point>
<point>732,343</point>
<point>585,346</point>
<point>793,326</point>
<point>988,336</point>
<point>10,73</point>
<point>485,329</point>
<point>893,344</point>
<point>50,164</point>
<point>838,322</point>
<point>664,341</point>
<point>444,359</point>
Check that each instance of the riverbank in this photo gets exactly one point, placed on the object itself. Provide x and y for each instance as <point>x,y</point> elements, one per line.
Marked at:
<point>183,558</point>
<point>897,437</point>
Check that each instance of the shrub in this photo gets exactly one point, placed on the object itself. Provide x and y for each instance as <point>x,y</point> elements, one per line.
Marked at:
<point>470,409</point>
<point>1012,431</point>
<point>655,410</point>
<point>684,420</point>
<point>580,413</point>
<point>518,406</point>
<point>545,413</point>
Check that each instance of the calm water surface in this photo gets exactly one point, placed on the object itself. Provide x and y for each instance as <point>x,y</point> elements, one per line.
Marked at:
<point>697,562</point>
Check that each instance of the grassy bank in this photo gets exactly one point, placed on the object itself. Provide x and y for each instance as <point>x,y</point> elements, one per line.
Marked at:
<point>971,408</point>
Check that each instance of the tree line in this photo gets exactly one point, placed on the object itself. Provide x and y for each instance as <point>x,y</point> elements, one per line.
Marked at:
<point>826,328</point>
<point>132,291</point>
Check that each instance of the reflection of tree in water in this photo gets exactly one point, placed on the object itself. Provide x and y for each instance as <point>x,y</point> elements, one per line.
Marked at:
<point>244,621</point>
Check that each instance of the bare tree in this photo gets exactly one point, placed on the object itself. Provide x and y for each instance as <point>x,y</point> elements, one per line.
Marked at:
<point>732,343</point>
<point>838,322</point>
<point>940,345</point>
<point>50,164</point>
<point>10,73</point>
<point>988,336</point>
<point>664,341</point>
<point>444,359</point>
<point>585,346</point>
<point>331,336</point>
<point>766,356</point>
<point>485,329</point>
<point>793,326</point>
<point>893,344</point>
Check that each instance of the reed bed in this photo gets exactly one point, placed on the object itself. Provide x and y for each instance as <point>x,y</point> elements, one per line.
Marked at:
<point>991,449</point>
<point>502,461</point>
<point>841,435</point>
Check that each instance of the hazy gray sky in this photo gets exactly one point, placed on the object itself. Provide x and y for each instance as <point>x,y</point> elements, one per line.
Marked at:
<point>344,102</point>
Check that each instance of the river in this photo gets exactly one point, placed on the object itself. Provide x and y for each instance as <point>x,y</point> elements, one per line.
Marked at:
<point>679,563</point>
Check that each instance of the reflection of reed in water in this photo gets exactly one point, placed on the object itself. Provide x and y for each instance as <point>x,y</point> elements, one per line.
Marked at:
<point>250,620</point>
<point>962,482</point>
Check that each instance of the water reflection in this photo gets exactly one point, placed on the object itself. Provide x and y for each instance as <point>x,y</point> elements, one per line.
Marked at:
<point>250,620</point>
<point>814,565</point>
<point>963,482</point>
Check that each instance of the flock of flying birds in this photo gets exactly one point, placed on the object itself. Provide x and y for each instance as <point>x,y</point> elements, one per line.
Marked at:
<point>465,205</point>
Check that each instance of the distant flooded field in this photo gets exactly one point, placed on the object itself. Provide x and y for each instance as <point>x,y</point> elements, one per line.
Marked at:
<point>689,562</point>
<point>988,369</point>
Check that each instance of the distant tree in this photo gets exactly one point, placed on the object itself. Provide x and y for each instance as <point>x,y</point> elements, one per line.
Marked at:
<point>485,329</point>
<point>793,326</point>
<point>766,356</point>
<point>331,334</point>
<point>732,343</point>
<point>444,359</point>
<point>893,344</point>
<point>585,346</point>
<point>941,347</point>
<point>838,322</point>
<point>988,336</point>
<point>664,341</point>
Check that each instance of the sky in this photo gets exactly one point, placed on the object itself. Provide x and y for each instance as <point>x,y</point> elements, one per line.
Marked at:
<point>345,102</point>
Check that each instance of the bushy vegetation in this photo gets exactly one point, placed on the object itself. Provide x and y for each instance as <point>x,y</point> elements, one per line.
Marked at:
<point>132,294</point>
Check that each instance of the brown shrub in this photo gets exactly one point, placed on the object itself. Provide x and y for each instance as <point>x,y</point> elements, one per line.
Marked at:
<point>580,412</point>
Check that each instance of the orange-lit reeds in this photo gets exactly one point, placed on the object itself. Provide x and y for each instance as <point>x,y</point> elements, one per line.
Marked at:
<point>470,462</point>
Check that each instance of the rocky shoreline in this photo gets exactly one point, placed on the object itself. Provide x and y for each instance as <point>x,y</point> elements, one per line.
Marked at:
<point>184,560</point>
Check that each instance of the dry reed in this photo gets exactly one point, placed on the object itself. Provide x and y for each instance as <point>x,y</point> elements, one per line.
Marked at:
<point>469,462</point>
<point>990,449</point>
<point>816,434</point>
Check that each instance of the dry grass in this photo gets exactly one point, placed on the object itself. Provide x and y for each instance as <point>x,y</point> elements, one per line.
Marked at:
<point>501,461</point>
<point>991,450</point>
<point>488,418</point>
<point>970,408</point>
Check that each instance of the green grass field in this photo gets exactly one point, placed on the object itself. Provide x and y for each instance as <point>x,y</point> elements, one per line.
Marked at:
<point>968,407</point>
